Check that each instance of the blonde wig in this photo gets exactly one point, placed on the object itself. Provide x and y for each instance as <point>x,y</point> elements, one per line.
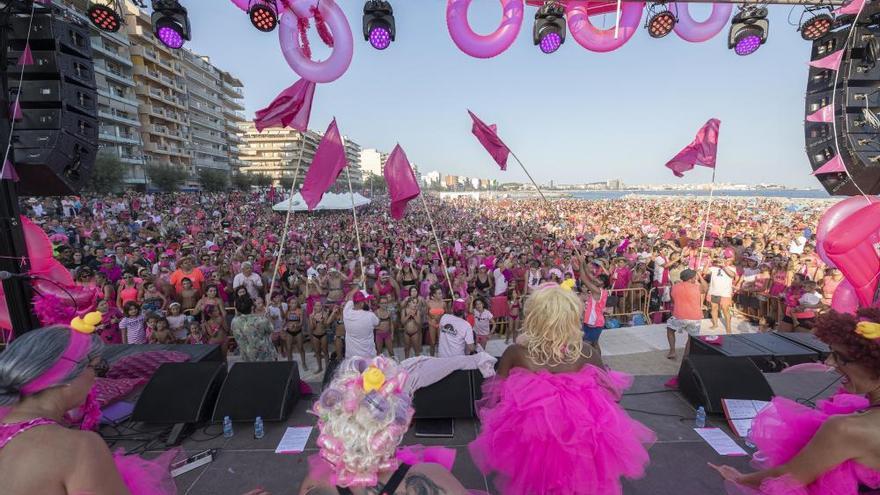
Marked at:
<point>553,326</point>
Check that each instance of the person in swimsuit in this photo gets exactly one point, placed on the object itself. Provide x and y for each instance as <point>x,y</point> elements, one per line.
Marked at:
<point>407,277</point>
<point>153,299</point>
<point>411,319</point>
<point>292,336</point>
<point>215,329</point>
<point>436,309</point>
<point>386,286</point>
<point>385,328</point>
<point>128,290</point>
<point>515,303</point>
<point>318,322</point>
<point>335,282</point>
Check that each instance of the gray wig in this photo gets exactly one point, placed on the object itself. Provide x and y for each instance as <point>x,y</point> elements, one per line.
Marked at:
<point>32,354</point>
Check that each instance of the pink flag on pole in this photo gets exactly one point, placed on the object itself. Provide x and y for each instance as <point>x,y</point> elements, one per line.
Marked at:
<point>832,166</point>
<point>8,172</point>
<point>702,151</point>
<point>824,114</point>
<point>402,183</point>
<point>15,110</point>
<point>829,61</point>
<point>487,135</point>
<point>291,108</point>
<point>27,57</point>
<point>327,165</point>
<point>851,8</point>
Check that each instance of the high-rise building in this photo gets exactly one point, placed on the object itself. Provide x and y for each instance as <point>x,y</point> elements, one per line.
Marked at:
<point>373,161</point>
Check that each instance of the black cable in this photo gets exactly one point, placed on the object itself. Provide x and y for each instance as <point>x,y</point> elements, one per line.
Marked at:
<point>650,392</point>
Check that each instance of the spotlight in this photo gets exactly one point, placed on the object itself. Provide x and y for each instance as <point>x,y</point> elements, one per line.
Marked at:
<point>549,32</point>
<point>817,25</point>
<point>661,22</point>
<point>106,16</point>
<point>748,30</point>
<point>379,23</point>
<point>170,23</point>
<point>264,15</point>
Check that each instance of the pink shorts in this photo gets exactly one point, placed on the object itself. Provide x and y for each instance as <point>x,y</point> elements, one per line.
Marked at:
<point>499,307</point>
<point>482,340</point>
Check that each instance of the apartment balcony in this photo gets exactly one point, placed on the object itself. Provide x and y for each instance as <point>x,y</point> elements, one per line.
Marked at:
<point>168,133</point>
<point>119,118</point>
<point>162,149</point>
<point>123,99</point>
<point>234,138</point>
<point>209,163</point>
<point>209,137</point>
<point>210,150</point>
<point>118,56</point>
<point>204,109</point>
<point>114,75</point>
<point>131,159</point>
<point>118,138</point>
<point>206,123</point>
<point>234,115</point>
<point>204,95</point>
<point>164,114</point>
<point>233,91</point>
<point>156,57</point>
<point>232,103</point>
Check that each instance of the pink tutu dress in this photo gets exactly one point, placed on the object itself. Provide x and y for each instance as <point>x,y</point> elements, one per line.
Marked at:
<point>559,434</point>
<point>141,477</point>
<point>783,428</point>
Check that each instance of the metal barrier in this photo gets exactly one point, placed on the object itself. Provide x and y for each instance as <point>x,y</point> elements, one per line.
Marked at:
<point>630,302</point>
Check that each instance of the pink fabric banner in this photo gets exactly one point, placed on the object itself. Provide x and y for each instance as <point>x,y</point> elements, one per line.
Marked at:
<point>851,8</point>
<point>291,108</point>
<point>832,166</point>
<point>325,168</point>
<point>402,184</point>
<point>27,57</point>
<point>487,135</point>
<point>829,61</point>
<point>8,172</point>
<point>824,114</point>
<point>702,151</point>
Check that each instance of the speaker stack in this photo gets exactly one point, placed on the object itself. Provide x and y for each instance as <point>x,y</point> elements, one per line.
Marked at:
<point>55,141</point>
<point>856,100</point>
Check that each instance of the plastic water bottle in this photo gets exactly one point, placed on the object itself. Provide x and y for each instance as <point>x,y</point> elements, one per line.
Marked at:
<point>227,427</point>
<point>701,418</point>
<point>258,428</point>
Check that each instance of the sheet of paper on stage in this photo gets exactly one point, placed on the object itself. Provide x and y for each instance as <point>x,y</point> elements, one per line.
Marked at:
<point>294,440</point>
<point>740,414</point>
<point>720,441</point>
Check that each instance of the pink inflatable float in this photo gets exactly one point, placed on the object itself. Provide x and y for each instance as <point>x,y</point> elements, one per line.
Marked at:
<point>602,40</point>
<point>852,245</point>
<point>698,31</point>
<point>484,46</point>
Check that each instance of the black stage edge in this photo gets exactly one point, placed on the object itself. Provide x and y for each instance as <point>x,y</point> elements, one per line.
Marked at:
<point>678,459</point>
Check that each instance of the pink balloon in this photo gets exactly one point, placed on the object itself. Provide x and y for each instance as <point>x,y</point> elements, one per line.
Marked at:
<point>602,40</point>
<point>833,216</point>
<point>845,299</point>
<point>481,46</point>
<point>696,32</point>
<point>343,44</point>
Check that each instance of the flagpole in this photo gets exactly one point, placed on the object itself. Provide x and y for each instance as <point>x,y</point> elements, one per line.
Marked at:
<point>286,220</point>
<point>439,249</point>
<point>706,219</point>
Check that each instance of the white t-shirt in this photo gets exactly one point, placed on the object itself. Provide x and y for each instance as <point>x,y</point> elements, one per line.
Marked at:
<point>455,335</point>
<point>500,282</point>
<point>721,284</point>
<point>359,337</point>
<point>659,267</point>
<point>252,283</point>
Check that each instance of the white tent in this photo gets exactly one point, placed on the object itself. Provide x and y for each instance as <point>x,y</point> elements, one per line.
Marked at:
<point>330,201</point>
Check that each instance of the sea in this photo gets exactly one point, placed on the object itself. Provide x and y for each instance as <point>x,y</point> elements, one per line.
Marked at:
<point>770,193</point>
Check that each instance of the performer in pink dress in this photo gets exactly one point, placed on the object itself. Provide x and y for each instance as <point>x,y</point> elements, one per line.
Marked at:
<point>551,424</point>
<point>835,448</point>
<point>44,374</point>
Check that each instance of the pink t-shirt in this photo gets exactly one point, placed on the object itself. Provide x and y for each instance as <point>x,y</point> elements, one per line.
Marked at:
<point>594,315</point>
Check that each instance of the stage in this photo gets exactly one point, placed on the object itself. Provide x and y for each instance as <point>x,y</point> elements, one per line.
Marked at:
<point>678,459</point>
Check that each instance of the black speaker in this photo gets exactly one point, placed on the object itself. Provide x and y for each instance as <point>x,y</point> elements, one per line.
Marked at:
<point>451,397</point>
<point>180,393</point>
<point>705,380</point>
<point>55,141</point>
<point>265,389</point>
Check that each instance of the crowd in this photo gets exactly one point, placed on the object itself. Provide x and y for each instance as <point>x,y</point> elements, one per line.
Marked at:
<point>170,268</point>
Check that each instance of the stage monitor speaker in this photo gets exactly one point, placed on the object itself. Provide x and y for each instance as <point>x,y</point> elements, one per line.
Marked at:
<point>265,389</point>
<point>55,140</point>
<point>705,380</point>
<point>451,397</point>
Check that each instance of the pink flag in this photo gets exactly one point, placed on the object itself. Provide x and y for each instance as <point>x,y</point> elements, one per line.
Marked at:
<point>292,107</point>
<point>832,166</point>
<point>402,184</point>
<point>824,114</point>
<point>829,61</point>
<point>8,172</point>
<point>15,110</point>
<point>851,8</point>
<point>702,151</point>
<point>27,57</point>
<point>326,166</point>
<point>488,137</point>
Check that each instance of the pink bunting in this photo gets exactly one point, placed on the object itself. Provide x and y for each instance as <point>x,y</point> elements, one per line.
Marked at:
<point>851,8</point>
<point>27,57</point>
<point>8,172</point>
<point>487,135</point>
<point>829,61</point>
<point>824,114</point>
<point>15,110</point>
<point>402,184</point>
<point>832,166</point>
<point>703,150</point>
<point>291,108</point>
<point>326,166</point>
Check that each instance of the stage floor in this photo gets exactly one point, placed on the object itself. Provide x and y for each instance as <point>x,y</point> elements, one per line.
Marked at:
<point>678,459</point>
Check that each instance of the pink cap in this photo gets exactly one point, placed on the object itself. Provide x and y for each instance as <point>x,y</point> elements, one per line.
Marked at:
<point>459,304</point>
<point>361,296</point>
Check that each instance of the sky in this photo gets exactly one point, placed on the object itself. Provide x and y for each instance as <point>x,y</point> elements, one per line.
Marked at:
<point>574,116</point>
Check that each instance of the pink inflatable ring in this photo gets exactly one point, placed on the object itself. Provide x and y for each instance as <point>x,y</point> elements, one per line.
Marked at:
<point>343,45</point>
<point>490,45</point>
<point>602,40</point>
<point>696,32</point>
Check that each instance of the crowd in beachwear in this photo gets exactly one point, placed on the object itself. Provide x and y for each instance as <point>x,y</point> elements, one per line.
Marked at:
<point>169,267</point>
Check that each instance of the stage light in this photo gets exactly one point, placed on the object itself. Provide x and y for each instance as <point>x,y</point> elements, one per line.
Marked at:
<point>549,32</point>
<point>105,16</point>
<point>748,30</point>
<point>816,25</point>
<point>661,21</point>
<point>379,24</point>
<point>170,23</point>
<point>264,15</point>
